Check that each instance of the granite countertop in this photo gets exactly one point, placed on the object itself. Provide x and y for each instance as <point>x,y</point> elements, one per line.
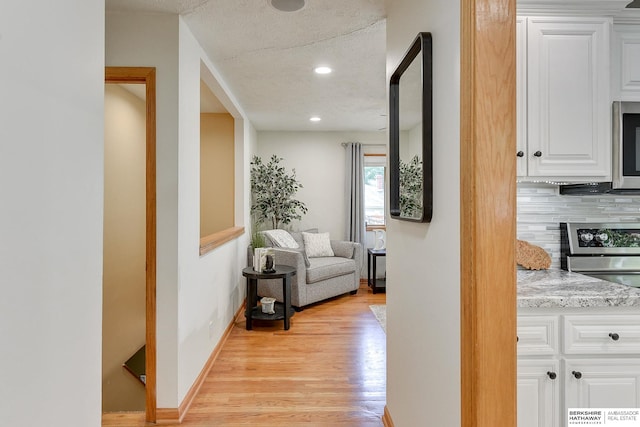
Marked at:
<point>560,288</point>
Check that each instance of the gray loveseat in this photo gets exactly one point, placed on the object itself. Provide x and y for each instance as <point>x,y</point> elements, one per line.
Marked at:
<point>317,278</point>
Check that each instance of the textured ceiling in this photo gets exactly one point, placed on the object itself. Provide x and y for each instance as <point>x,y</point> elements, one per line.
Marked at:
<point>267,58</point>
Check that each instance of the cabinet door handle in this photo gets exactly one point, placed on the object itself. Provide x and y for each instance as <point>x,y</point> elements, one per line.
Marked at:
<point>520,154</point>
<point>577,374</point>
<point>614,336</point>
<point>551,375</point>
<point>537,154</point>
<point>517,338</point>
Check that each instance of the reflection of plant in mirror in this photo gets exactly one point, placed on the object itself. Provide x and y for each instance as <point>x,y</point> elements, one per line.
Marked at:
<point>411,188</point>
<point>273,189</point>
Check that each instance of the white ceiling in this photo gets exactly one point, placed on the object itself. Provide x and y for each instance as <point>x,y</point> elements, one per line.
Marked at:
<point>267,58</point>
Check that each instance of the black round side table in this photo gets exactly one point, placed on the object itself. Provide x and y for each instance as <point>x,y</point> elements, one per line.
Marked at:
<point>282,310</point>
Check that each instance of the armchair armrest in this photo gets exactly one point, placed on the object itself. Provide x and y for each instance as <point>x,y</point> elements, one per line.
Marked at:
<point>294,258</point>
<point>358,256</point>
<point>291,257</point>
<point>346,249</point>
<point>343,248</point>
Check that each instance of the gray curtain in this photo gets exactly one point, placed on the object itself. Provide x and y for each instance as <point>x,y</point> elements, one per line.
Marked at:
<point>355,193</point>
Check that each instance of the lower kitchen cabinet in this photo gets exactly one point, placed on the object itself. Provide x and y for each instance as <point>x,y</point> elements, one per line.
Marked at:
<point>576,359</point>
<point>602,383</point>
<point>538,393</point>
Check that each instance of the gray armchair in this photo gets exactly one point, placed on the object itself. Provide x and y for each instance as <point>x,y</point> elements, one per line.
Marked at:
<point>318,278</point>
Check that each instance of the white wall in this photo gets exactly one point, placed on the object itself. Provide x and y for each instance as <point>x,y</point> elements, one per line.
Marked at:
<point>210,288</point>
<point>319,161</point>
<point>423,260</point>
<point>51,154</point>
<point>152,41</point>
<point>196,296</point>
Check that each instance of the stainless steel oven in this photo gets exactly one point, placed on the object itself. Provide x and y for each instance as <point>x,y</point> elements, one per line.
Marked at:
<point>608,251</point>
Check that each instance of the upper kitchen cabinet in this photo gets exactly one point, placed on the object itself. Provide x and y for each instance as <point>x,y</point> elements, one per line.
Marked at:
<point>564,87</point>
<point>521,96</point>
<point>625,54</point>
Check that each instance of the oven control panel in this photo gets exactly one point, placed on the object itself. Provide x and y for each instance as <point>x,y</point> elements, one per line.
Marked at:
<point>608,238</point>
<point>597,246</point>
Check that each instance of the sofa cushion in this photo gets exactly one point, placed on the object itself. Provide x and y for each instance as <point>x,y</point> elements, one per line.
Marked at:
<point>328,267</point>
<point>281,239</point>
<point>297,235</point>
<point>317,244</point>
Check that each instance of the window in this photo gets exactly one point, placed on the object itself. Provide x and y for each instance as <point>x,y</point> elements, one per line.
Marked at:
<point>374,179</point>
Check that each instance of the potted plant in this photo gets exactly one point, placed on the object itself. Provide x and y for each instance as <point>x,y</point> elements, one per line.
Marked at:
<point>273,190</point>
<point>257,240</point>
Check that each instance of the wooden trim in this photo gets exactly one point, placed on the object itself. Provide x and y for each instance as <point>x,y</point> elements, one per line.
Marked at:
<point>193,391</point>
<point>176,415</point>
<point>151,245</point>
<point>487,206</point>
<point>212,241</point>
<point>147,76</point>
<point>386,418</point>
<point>167,416</point>
<point>375,154</point>
<point>126,418</point>
<point>376,227</point>
<point>128,75</point>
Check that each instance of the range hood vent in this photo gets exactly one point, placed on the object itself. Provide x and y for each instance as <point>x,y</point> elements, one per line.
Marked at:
<point>596,188</point>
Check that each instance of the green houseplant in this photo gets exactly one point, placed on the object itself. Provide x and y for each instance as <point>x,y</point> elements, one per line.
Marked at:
<point>257,238</point>
<point>273,190</point>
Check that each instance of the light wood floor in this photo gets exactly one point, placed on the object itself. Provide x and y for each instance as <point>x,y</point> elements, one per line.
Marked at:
<point>329,369</point>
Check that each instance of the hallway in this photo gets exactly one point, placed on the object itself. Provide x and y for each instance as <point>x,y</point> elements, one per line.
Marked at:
<point>329,369</point>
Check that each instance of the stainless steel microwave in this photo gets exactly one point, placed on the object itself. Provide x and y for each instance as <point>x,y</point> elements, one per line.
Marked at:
<point>626,145</point>
<point>626,155</point>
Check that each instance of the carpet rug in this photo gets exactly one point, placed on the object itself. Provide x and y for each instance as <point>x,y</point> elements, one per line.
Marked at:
<point>380,311</point>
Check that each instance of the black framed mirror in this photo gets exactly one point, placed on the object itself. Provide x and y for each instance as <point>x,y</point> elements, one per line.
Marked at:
<point>411,134</point>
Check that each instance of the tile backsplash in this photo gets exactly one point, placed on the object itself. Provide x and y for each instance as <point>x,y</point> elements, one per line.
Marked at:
<point>541,210</point>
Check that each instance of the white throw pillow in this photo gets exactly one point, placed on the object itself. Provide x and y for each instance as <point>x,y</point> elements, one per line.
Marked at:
<point>317,244</point>
<point>282,239</point>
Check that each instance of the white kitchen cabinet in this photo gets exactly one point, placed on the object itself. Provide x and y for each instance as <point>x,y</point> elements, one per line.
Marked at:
<point>521,95</point>
<point>626,62</point>
<point>576,358</point>
<point>602,383</point>
<point>598,335</point>
<point>565,65</point>
<point>538,336</point>
<point>538,393</point>
<point>591,380</point>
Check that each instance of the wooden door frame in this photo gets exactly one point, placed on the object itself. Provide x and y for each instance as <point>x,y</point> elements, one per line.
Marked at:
<point>146,76</point>
<point>488,213</point>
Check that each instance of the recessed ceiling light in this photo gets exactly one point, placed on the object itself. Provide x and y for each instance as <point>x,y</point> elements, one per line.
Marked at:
<point>287,5</point>
<point>322,70</point>
<point>315,119</point>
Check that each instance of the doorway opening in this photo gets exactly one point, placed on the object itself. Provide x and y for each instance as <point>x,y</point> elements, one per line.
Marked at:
<point>140,81</point>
